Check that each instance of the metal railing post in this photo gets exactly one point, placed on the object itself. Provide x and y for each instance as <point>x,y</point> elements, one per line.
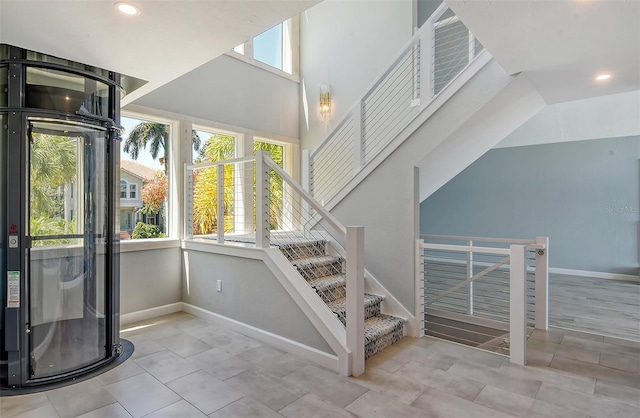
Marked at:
<point>426,64</point>
<point>358,137</point>
<point>421,286</point>
<point>262,202</point>
<point>518,305</point>
<point>220,206</point>
<point>306,184</point>
<point>542,284</point>
<point>355,298</point>
<point>188,203</point>
<point>470,275</point>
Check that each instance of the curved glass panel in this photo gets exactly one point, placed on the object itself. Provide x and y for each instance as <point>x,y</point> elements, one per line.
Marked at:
<point>38,56</point>
<point>66,92</point>
<point>67,227</point>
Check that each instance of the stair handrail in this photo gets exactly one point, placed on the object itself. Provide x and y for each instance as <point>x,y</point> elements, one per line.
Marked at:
<point>352,236</point>
<point>352,144</point>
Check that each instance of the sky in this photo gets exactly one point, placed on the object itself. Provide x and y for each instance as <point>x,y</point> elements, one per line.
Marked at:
<point>144,156</point>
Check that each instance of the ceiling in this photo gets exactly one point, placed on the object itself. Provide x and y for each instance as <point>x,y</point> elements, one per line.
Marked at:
<point>166,40</point>
<point>560,46</point>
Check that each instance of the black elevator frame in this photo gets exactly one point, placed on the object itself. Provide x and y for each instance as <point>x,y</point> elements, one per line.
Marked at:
<point>14,327</point>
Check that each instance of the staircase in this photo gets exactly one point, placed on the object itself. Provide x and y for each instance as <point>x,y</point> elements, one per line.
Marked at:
<point>325,274</point>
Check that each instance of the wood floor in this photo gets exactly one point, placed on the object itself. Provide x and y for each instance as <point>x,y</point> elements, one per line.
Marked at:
<point>600,306</point>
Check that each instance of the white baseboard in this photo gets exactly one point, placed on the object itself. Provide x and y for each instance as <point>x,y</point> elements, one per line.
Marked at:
<point>327,360</point>
<point>596,274</point>
<point>145,314</point>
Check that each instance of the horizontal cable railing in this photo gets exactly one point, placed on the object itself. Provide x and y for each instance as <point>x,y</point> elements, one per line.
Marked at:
<point>485,283</point>
<point>253,201</point>
<point>429,61</point>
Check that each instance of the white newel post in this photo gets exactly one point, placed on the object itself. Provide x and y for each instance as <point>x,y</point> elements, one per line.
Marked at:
<point>262,201</point>
<point>355,298</point>
<point>358,137</point>
<point>220,208</point>
<point>542,284</point>
<point>420,286</point>
<point>518,305</point>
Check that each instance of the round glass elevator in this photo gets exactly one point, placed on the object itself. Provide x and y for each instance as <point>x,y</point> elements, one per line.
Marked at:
<point>59,160</point>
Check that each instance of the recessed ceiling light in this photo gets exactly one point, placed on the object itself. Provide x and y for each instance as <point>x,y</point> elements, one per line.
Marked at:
<point>603,77</point>
<point>127,9</point>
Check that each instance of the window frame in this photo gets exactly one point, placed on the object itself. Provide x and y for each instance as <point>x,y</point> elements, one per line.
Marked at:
<point>290,51</point>
<point>172,209</point>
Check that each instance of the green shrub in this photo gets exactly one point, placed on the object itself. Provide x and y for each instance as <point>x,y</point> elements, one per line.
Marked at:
<point>143,230</point>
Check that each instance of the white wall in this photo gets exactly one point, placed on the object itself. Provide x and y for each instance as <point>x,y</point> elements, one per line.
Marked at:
<point>613,116</point>
<point>346,44</point>
<point>149,278</point>
<point>230,91</point>
<point>250,294</point>
<point>386,202</point>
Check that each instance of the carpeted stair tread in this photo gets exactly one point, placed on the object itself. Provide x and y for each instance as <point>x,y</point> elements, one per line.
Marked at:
<point>328,282</point>
<point>302,249</point>
<point>380,325</point>
<point>371,306</point>
<point>310,262</point>
<point>325,274</point>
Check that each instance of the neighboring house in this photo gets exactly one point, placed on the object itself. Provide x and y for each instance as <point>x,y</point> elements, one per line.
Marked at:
<point>133,176</point>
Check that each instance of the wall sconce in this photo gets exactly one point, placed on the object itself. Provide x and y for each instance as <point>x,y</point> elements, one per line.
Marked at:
<point>325,101</point>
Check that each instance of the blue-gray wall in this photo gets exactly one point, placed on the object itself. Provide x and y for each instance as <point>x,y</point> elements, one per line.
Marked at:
<point>584,195</point>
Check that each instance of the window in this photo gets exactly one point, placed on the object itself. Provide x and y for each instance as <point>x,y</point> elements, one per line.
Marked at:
<point>123,189</point>
<point>273,47</point>
<point>146,159</point>
<point>216,146</point>
<point>267,47</point>
<point>239,49</point>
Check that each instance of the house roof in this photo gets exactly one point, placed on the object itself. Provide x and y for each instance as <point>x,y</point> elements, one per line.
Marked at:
<point>138,170</point>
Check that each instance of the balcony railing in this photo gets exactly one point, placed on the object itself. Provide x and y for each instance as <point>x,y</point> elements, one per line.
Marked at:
<point>491,282</point>
<point>424,67</point>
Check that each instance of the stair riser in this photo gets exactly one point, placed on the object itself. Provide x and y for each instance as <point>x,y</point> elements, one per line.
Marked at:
<point>383,342</point>
<point>329,295</point>
<point>369,312</point>
<point>297,251</point>
<point>312,272</point>
<point>326,275</point>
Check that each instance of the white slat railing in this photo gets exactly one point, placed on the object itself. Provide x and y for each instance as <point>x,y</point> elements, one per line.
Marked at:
<point>432,58</point>
<point>218,209</point>
<point>490,282</point>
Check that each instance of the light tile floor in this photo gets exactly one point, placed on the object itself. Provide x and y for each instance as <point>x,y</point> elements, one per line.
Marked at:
<point>187,367</point>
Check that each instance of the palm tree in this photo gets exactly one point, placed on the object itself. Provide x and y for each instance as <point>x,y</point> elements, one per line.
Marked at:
<point>53,164</point>
<point>156,135</point>
<point>205,199</point>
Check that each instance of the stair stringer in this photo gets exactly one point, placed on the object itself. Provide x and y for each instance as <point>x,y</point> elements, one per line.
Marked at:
<point>313,307</point>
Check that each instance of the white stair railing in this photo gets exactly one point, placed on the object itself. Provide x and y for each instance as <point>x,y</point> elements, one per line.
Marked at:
<point>285,214</point>
<point>432,58</point>
<point>484,285</point>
